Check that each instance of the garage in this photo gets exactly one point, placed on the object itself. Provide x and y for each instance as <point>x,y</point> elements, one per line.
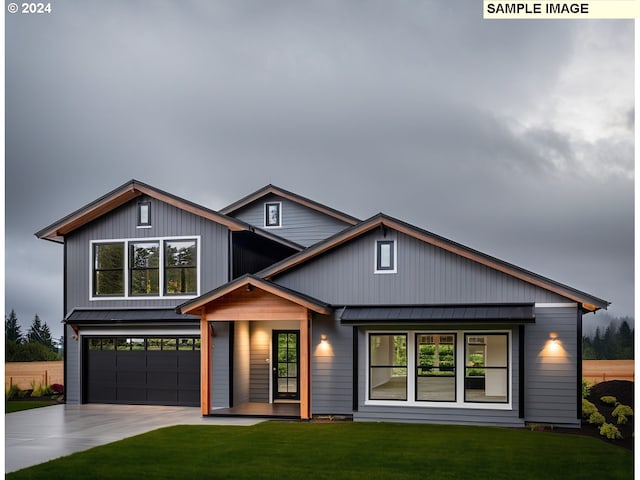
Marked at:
<point>159,370</point>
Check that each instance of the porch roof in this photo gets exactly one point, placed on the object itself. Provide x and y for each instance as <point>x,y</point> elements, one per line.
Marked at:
<point>514,313</point>
<point>249,282</point>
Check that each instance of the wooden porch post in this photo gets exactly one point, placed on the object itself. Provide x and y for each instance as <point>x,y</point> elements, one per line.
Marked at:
<point>305,368</point>
<point>205,364</point>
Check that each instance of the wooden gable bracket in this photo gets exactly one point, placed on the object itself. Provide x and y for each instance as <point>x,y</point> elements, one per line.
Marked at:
<point>76,331</point>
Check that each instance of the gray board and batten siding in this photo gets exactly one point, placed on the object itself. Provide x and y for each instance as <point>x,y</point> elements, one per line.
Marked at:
<point>426,275</point>
<point>299,224</point>
<point>167,222</point>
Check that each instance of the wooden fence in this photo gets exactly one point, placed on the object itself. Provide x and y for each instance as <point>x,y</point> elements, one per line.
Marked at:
<point>596,371</point>
<point>23,374</point>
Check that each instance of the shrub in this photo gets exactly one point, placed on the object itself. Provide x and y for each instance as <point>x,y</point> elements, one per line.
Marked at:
<point>622,412</point>
<point>12,392</point>
<point>57,389</point>
<point>608,400</point>
<point>596,418</point>
<point>588,408</point>
<point>586,388</point>
<point>610,431</point>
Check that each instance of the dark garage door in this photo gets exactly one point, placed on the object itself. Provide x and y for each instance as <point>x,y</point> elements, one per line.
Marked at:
<point>142,370</point>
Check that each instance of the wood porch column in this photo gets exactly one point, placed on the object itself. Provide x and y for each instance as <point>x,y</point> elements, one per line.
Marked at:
<point>205,364</point>
<point>305,368</point>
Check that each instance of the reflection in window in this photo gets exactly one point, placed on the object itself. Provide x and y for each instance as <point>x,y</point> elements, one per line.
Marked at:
<point>435,368</point>
<point>486,368</point>
<point>145,268</point>
<point>108,270</point>
<point>388,367</point>
<point>180,267</point>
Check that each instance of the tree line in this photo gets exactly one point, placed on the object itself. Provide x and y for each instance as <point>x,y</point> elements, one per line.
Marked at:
<point>36,345</point>
<point>615,342</point>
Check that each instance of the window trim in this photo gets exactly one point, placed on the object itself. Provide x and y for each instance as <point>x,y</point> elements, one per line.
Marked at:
<point>460,403</point>
<point>267,224</point>
<point>127,271</point>
<point>140,223</point>
<point>394,256</point>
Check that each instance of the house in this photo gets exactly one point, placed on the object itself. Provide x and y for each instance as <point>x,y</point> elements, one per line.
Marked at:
<point>280,306</point>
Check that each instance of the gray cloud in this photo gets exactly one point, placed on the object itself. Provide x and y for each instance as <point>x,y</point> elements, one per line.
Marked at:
<point>419,109</point>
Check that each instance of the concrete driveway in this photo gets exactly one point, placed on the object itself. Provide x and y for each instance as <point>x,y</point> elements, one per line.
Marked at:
<point>38,435</point>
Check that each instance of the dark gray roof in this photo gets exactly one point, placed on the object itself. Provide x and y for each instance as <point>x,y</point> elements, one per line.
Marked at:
<point>128,316</point>
<point>474,313</point>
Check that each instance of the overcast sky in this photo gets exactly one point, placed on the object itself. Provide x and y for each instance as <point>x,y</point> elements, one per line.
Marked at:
<point>515,138</point>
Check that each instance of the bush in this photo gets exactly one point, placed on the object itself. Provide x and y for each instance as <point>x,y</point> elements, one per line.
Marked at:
<point>596,418</point>
<point>610,431</point>
<point>622,412</point>
<point>12,392</point>
<point>608,400</point>
<point>57,389</point>
<point>588,408</point>
<point>586,388</point>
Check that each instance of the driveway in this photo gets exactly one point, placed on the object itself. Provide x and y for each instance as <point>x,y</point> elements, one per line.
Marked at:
<point>38,435</point>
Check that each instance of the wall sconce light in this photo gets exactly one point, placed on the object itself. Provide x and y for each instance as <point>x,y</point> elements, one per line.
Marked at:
<point>249,287</point>
<point>323,338</point>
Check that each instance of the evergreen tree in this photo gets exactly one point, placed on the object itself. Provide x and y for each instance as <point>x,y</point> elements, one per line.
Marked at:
<point>12,328</point>
<point>34,334</point>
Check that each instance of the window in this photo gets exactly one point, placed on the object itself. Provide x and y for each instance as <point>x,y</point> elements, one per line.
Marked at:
<point>150,268</point>
<point>144,268</point>
<point>273,214</point>
<point>436,368</point>
<point>486,370</point>
<point>180,268</point>
<point>144,214</point>
<point>108,272</point>
<point>385,256</point>
<point>455,369</point>
<point>388,367</point>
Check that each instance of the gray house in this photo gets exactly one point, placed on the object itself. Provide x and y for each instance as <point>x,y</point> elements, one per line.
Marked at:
<point>278,305</point>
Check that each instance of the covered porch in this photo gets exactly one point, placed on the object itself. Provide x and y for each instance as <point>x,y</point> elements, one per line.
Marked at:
<point>255,345</point>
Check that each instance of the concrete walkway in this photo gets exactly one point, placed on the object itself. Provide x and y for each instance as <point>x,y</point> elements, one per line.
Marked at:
<point>42,434</point>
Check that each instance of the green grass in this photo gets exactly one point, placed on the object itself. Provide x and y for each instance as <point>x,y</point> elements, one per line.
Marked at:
<point>18,406</point>
<point>362,451</point>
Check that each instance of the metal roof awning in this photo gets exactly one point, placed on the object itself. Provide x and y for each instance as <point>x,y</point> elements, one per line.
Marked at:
<point>94,316</point>
<point>408,314</point>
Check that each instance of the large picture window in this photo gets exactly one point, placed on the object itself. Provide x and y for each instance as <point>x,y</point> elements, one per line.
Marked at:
<point>448,368</point>
<point>149,268</point>
<point>388,367</point>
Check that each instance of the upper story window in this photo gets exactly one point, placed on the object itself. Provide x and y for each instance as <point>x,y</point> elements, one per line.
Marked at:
<point>151,268</point>
<point>385,256</point>
<point>273,214</point>
<point>144,214</point>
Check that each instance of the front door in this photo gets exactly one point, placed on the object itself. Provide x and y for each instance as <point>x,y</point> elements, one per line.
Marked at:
<point>286,364</point>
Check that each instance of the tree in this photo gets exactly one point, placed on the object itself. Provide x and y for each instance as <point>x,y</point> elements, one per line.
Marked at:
<point>39,332</point>
<point>12,328</point>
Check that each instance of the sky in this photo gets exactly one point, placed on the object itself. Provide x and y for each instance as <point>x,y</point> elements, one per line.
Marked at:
<point>515,138</point>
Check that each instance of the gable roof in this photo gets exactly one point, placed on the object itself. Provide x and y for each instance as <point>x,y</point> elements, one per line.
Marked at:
<point>294,197</point>
<point>250,281</point>
<point>133,189</point>
<point>588,302</point>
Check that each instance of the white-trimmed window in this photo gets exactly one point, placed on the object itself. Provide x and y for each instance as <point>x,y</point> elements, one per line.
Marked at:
<point>386,253</point>
<point>470,369</point>
<point>144,215</point>
<point>273,214</point>
<point>142,268</point>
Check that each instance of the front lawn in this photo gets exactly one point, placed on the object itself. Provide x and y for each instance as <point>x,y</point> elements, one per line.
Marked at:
<point>18,405</point>
<point>347,450</point>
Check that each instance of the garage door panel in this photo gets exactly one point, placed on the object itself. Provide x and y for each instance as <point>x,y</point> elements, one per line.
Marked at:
<point>143,374</point>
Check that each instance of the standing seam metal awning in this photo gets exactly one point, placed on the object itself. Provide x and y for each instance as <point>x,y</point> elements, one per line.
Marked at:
<point>479,313</point>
